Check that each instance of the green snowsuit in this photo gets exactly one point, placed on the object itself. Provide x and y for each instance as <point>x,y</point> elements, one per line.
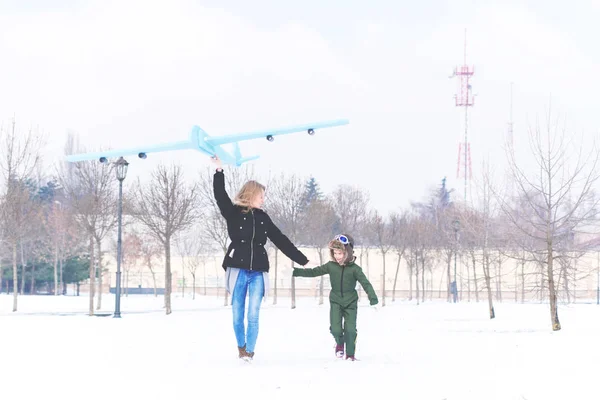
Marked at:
<point>343,298</point>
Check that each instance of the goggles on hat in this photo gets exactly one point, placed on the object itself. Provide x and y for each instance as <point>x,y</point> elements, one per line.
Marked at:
<point>342,239</point>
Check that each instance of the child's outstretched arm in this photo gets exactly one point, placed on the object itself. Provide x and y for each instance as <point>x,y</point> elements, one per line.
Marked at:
<point>364,282</point>
<point>311,272</point>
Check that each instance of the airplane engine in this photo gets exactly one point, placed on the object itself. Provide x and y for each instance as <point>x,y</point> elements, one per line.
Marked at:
<point>270,138</point>
<point>311,131</point>
<point>142,156</point>
<point>103,160</point>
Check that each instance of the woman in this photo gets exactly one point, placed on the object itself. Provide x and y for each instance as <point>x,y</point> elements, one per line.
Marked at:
<point>246,262</point>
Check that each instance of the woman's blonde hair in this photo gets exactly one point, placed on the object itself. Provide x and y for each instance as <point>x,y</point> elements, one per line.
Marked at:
<point>247,193</point>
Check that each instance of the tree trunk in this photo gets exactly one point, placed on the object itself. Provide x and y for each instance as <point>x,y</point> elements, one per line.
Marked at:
<point>15,277</point>
<point>23,268</point>
<point>552,291</point>
<point>56,268</point>
<point>410,281</point>
<point>468,278</point>
<point>396,278</point>
<point>417,278</point>
<point>32,290</point>
<point>499,278</point>
<point>60,261</point>
<point>475,277</point>
<point>62,282</point>
<point>168,277</point>
<point>383,281</point>
<point>194,286</point>
<point>423,291</point>
<point>92,276</point>
<point>449,277</point>
<point>99,243</point>
<point>275,280</point>
<point>293,289</point>
<point>488,284</point>
<point>367,261</point>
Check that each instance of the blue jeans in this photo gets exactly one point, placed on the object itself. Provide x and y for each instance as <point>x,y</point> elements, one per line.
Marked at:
<point>251,283</point>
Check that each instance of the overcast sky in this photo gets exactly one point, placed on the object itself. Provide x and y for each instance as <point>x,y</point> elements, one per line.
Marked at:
<point>125,73</point>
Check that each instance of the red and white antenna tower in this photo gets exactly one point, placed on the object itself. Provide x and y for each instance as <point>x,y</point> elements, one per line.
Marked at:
<point>465,99</point>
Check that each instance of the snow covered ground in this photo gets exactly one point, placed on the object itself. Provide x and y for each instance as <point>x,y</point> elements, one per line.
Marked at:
<point>433,351</point>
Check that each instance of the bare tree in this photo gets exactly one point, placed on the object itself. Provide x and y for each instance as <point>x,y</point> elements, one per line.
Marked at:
<point>422,248</point>
<point>20,157</point>
<point>350,204</point>
<point>412,260</point>
<point>385,235</point>
<point>166,206</point>
<point>59,231</point>
<point>558,194</point>
<point>320,220</point>
<point>90,191</point>
<point>285,206</point>
<point>351,207</point>
<point>399,244</point>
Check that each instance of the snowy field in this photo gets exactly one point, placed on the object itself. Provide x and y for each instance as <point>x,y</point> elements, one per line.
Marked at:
<point>433,351</point>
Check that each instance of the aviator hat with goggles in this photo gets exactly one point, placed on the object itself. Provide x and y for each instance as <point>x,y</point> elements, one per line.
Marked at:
<point>344,243</point>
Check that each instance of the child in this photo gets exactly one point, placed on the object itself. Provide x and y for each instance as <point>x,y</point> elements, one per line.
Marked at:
<point>343,298</point>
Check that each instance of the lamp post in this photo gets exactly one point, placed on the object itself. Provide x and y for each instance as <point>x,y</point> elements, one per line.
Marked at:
<point>121,168</point>
<point>58,219</point>
<point>456,226</point>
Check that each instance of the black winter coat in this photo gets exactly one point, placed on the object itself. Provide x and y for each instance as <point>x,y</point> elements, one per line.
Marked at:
<point>248,232</point>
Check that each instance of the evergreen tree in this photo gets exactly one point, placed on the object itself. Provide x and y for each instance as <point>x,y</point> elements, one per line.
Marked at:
<point>444,195</point>
<point>312,192</point>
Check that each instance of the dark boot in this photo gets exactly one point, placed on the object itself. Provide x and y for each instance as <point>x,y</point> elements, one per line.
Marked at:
<point>242,351</point>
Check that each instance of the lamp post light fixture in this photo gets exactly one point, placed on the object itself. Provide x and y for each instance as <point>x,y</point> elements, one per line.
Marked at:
<point>454,287</point>
<point>121,169</point>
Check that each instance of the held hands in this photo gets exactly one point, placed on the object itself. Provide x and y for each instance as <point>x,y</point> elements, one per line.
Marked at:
<point>309,264</point>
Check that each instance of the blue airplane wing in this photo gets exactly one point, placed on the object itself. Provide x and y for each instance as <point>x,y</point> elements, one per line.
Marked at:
<point>181,145</point>
<point>238,137</point>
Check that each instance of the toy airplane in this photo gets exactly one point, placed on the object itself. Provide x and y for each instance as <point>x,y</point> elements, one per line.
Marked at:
<point>210,145</point>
